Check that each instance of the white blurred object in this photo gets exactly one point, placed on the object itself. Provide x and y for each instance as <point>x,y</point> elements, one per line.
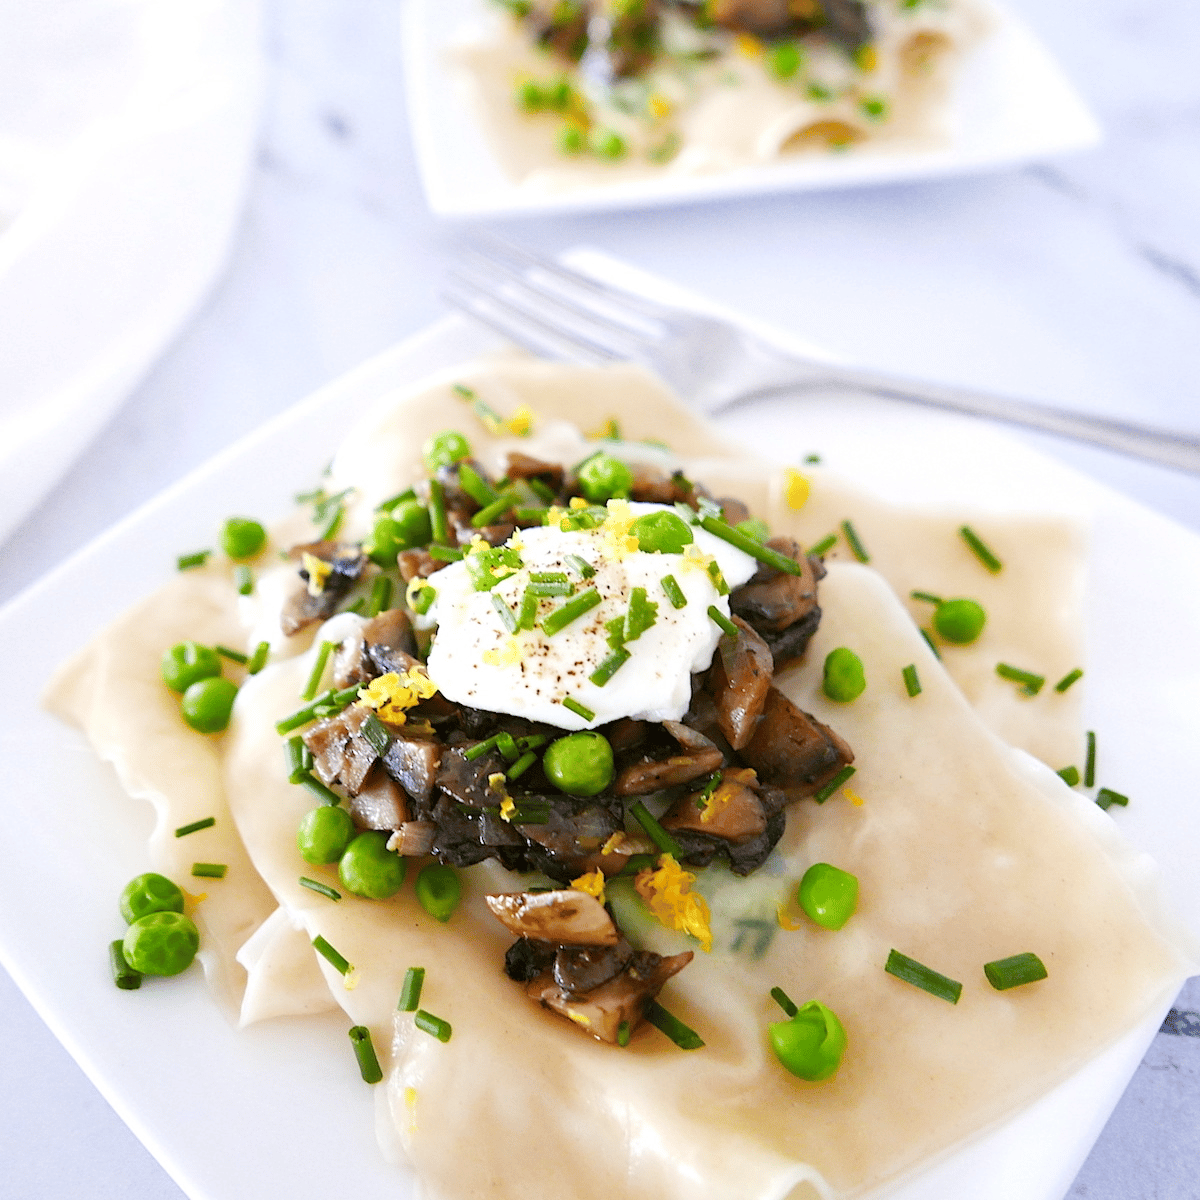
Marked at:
<point>126,134</point>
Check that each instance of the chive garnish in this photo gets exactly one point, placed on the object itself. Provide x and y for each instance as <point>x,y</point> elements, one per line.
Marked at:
<point>1089,763</point>
<point>495,510</point>
<point>423,597</point>
<point>185,562</point>
<point>258,659</point>
<point>855,542</point>
<point>243,579</point>
<point>233,655</point>
<point>832,786</point>
<point>364,1051</point>
<point>550,587</point>
<point>202,870</point>
<point>480,748</point>
<point>541,489</point>
<point>574,608</point>
<point>1030,683</point>
<point>475,485</point>
<point>337,961</point>
<point>325,705</point>
<point>641,614</point>
<point>1106,798</point>
<point>654,831</point>
<point>465,392</point>
<point>326,795</point>
<point>721,620</point>
<point>548,577</point>
<point>322,889</point>
<point>124,976</point>
<point>928,597</point>
<point>1061,686</point>
<point>1069,775</point>
<point>610,666</point>
<point>1014,971</point>
<point>764,554</point>
<point>784,1001</point>
<point>318,669</point>
<point>930,643</point>
<point>444,553</point>
<point>912,685</point>
<point>980,549</point>
<point>673,591</point>
<point>826,544</point>
<point>410,992</point>
<point>375,733</point>
<point>580,564</point>
<point>623,1033</point>
<point>683,1036</point>
<point>434,1026</point>
<point>580,710</point>
<point>438,525</point>
<point>706,793</point>
<point>330,529</point>
<point>521,765</point>
<point>298,758</point>
<point>507,745</point>
<point>195,826</point>
<point>358,607</point>
<point>530,812</point>
<point>926,978</point>
<point>381,596</point>
<point>508,618</point>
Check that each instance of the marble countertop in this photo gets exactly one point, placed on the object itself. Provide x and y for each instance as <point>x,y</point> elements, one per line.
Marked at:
<point>1076,281</point>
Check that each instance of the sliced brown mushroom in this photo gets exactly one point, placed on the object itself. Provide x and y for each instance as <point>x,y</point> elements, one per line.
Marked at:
<point>782,608</point>
<point>413,839</point>
<point>380,803</point>
<point>317,600</point>
<point>741,676</point>
<point>792,750</point>
<point>413,763</point>
<point>566,917</point>
<point>733,812</point>
<point>341,754</point>
<point>525,466</point>
<point>700,757</point>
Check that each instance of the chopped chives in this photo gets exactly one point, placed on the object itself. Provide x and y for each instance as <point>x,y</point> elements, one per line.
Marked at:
<point>826,544</point>
<point>480,748</point>
<point>855,542</point>
<point>580,710</point>
<point>444,553</point>
<point>423,597</point>
<point>930,643</point>
<point>623,1033</point>
<point>530,812</point>
<point>324,705</point>
<point>310,783</point>
<point>438,524</point>
<point>364,1051</point>
<point>488,516</point>
<point>654,831</point>
<point>979,548</point>
<point>912,685</point>
<point>475,485</point>
<point>574,608</point>
<point>1069,775</point>
<point>923,977</point>
<point>721,620</point>
<point>641,615</point>
<point>748,545</point>
<point>508,618</point>
<point>209,870</point>
<point>527,617</point>
<point>434,1026</point>
<point>683,1036</point>
<point>377,737</point>
<point>258,659</point>
<point>1030,683</point>
<point>1089,763</point>
<point>410,992</point>
<point>550,587</point>
<point>507,745</point>
<point>243,579</point>
<point>812,458</point>
<point>521,765</point>
<point>381,596</point>
<point>185,562</point>
<point>610,666</point>
<point>673,591</point>
<point>580,564</point>
<point>1065,682</point>
<point>784,1001</point>
<point>297,756</point>
<point>465,392</point>
<point>124,976</point>
<point>706,793</point>
<point>337,961</point>
<point>357,607</point>
<point>928,597</point>
<point>318,669</point>
<point>541,489</point>
<point>322,889</point>
<point>832,786</point>
<point>1015,971</point>
<point>718,580</point>
<point>330,529</point>
<point>1106,798</point>
<point>548,577</point>
<point>233,655</point>
<point>195,826</point>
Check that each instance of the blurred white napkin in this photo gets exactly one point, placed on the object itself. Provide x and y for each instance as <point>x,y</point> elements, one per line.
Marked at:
<point>126,134</point>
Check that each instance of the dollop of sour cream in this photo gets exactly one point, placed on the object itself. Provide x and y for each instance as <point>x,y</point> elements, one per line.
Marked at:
<point>477,660</point>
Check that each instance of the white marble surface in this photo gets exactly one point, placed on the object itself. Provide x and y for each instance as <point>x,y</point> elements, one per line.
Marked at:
<point>1077,281</point>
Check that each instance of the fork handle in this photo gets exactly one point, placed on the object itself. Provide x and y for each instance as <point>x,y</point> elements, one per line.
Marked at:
<point>1165,447</point>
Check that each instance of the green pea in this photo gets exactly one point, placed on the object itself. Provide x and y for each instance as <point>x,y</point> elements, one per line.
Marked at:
<point>845,679</point>
<point>811,1044</point>
<point>150,893</point>
<point>530,96</point>
<point>604,477</point>
<point>161,943</point>
<point>662,533</point>
<point>959,621</point>
<point>608,143</point>
<point>784,59</point>
<point>445,449</point>
<point>571,140</point>
<point>580,764</point>
<point>208,704</point>
<point>828,894</point>
<point>406,526</point>
<point>187,663</point>
<point>324,834</point>
<point>439,890</point>
<point>368,868</point>
<point>242,538</point>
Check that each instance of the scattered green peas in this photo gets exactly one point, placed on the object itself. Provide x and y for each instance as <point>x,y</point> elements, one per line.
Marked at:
<point>530,96</point>
<point>368,868</point>
<point>572,140</point>
<point>784,59</point>
<point>959,621</point>
<point>661,533</point>
<point>445,449</point>
<point>608,143</point>
<point>580,764</point>
<point>828,894</point>
<point>186,663</point>
<point>406,526</point>
<point>324,834</point>
<point>439,890</point>
<point>150,893</point>
<point>845,679</point>
<point>604,477</point>
<point>208,704</point>
<point>242,538</point>
<point>811,1044</point>
<point>161,943</point>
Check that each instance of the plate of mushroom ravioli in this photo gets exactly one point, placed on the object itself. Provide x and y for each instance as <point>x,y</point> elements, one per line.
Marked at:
<point>934,824</point>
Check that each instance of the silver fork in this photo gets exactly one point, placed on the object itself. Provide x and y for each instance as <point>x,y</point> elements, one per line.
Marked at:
<point>563,314</point>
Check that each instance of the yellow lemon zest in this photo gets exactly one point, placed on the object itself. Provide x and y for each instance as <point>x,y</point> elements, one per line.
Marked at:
<point>410,1102</point>
<point>853,797</point>
<point>717,801</point>
<point>660,106</point>
<point>507,654</point>
<point>747,46</point>
<point>609,429</point>
<point>592,883</point>
<point>580,1018</point>
<point>666,889</point>
<point>507,808</point>
<point>866,58</point>
<point>412,593</point>
<point>795,489</point>
<point>318,572</point>
<point>578,502</point>
<point>617,543</point>
<point>785,919</point>
<point>391,695</point>
<point>617,839</point>
<point>520,424</point>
